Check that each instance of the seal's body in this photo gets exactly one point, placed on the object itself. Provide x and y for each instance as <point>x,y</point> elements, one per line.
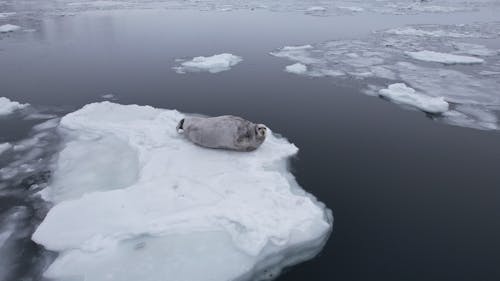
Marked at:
<point>226,132</point>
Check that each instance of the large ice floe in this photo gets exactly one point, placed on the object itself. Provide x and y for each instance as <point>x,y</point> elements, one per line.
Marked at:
<point>133,200</point>
<point>212,64</point>
<point>8,106</point>
<point>466,78</point>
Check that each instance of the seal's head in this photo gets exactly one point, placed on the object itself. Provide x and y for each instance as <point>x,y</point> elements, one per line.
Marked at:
<point>261,130</point>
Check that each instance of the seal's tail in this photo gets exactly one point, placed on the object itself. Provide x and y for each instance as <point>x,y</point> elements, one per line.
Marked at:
<point>180,126</point>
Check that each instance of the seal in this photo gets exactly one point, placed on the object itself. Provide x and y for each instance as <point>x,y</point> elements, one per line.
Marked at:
<point>224,132</point>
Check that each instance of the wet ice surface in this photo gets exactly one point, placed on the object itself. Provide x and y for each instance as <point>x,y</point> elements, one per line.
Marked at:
<point>172,208</point>
<point>408,54</point>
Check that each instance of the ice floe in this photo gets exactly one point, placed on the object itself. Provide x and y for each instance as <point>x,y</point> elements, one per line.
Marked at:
<point>387,54</point>
<point>7,106</point>
<point>296,68</point>
<point>5,15</point>
<point>316,9</point>
<point>212,64</point>
<point>444,58</point>
<point>402,94</point>
<point>473,49</point>
<point>9,28</point>
<point>351,8</point>
<point>133,200</point>
<point>4,147</point>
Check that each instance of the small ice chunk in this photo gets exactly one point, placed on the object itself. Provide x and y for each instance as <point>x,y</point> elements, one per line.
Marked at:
<point>401,94</point>
<point>212,64</point>
<point>314,9</point>
<point>108,97</point>
<point>411,31</point>
<point>295,48</point>
<point>4,15</point>
<point>296,68</point>
<point>489,73</point>
<point>352,8</point>
<point>300,54</point>
<point>444,58</point>
<point>8,28</point>
<point>4,147</point>
<point>7,106</point>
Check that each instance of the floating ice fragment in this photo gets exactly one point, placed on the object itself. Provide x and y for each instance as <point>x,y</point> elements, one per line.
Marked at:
<point>212,64</point>
<point>108,97</point>
<point>296,68</point>
<point>316,9</point>
<point>351,8</point>
<point>296,53</point>
<point>7,106</point>
<point>473,49</point>
<point>444,58</point>
<point>135,201</point>
<point>295,48</point>
<point>411,31</point>
<point>4,147</point>
<point>8,28</point>
<point>4,15</point>
<point>401,94</point>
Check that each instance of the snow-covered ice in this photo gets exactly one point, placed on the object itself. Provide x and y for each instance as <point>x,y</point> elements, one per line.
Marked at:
<point>212,64</point>
<point>7,106</point>
<point>402,94</point>
<point>431,56</point>
<point>9,28</point>
<point>296,68</point>
<point>133,200</point>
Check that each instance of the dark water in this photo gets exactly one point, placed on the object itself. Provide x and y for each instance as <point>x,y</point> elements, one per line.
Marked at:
<point>412,199</point>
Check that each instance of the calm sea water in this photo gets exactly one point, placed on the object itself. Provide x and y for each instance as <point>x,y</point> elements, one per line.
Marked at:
<point>412,199</point>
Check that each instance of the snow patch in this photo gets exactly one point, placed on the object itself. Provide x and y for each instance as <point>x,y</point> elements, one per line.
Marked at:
<point>7,106</point>
<point>431,56</point>
<point>8,28</point>
<point>212,64</point>
<point>401,94</point>
<point>136,201</point>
